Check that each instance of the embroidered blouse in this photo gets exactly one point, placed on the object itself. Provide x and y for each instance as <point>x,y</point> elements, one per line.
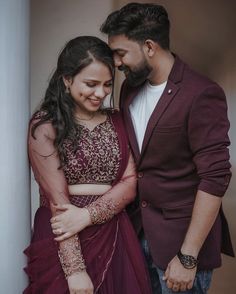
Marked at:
<point>96,160</point>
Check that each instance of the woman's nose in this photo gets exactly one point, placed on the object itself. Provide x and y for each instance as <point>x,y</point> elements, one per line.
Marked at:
<point>100,92</point>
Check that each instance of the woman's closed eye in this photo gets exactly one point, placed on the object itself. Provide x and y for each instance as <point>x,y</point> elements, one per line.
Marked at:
<point>109,85</point>
<point>90,84</point>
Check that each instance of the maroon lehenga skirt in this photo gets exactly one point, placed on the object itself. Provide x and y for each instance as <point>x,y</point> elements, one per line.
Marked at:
<point>111,251</point>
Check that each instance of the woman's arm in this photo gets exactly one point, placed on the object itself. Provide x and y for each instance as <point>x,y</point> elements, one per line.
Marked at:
<point>101,210</point>
<point>45,164</point>
<point>116,199</point>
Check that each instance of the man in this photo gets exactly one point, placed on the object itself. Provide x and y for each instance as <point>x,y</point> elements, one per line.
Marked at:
<point>177,126</point>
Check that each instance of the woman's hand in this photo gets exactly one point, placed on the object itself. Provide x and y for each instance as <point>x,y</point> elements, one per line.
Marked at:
<point>70,221</point>
<point>80,283</point>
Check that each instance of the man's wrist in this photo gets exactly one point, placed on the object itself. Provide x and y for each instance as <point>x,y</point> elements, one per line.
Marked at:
<point>188,261</point>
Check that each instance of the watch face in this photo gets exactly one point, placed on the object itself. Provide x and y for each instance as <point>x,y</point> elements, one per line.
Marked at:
<point>188,261</point>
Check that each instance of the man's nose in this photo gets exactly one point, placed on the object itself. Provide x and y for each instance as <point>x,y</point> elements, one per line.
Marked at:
<point>117,61</point>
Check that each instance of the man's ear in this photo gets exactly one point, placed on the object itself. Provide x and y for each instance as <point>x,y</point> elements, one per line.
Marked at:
<point>150,47</point>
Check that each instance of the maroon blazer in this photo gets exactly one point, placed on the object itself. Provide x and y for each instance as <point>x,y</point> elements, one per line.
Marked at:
<point>185,149</point>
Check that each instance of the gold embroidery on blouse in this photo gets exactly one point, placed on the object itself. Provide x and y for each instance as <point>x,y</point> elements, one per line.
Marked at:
<point>97,158</point>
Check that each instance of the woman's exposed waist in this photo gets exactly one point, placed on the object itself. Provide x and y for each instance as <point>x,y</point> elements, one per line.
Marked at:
<point>88,189</point>
<point>81,194</point>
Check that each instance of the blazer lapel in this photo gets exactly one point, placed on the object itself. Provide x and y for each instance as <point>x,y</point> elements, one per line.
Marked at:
<point>175,77</point>
<point>129,124</point>
<point>169,93</point>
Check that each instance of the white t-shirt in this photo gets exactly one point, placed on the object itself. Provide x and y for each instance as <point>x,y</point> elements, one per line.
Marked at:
<point>142,107</point>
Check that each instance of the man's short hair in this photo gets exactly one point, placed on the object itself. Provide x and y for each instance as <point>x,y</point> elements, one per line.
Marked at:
<point>139,22</point>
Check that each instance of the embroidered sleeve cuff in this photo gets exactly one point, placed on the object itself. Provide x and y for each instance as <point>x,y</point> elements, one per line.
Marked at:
<point>101,210</point>
<point>71,257</point>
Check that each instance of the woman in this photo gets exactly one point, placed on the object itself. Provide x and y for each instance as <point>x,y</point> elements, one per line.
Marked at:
<point>79,155</point>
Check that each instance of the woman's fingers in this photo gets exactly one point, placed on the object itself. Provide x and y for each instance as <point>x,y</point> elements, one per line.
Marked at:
<point>63,237</point>
<point>56,219</point>
<point>57,231</point>
<point>56,225</point>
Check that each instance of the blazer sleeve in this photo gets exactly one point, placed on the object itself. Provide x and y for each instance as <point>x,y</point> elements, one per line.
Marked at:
<point>208,127</point>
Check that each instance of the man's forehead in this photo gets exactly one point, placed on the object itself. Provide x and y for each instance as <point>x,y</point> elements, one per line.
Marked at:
<point>120,42</point>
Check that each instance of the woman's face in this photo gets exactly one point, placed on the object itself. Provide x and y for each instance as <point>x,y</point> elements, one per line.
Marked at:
<point>90,87</point>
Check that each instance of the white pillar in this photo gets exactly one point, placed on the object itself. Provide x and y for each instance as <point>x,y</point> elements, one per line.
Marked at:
<point>14,171</point>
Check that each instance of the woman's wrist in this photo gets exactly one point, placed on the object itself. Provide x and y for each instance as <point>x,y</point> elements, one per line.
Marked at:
<point>77,272</point>
<point>87,217</point>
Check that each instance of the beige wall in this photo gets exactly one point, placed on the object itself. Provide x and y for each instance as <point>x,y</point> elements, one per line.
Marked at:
<point>202,33</point>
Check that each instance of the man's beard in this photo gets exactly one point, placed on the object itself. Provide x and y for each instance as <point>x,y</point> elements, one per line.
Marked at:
<point>138,75</point>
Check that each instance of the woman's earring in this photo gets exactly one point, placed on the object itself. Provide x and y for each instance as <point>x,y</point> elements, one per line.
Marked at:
<point>67,91</point>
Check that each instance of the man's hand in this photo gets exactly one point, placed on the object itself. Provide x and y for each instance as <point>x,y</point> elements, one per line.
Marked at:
<point>177,277</point>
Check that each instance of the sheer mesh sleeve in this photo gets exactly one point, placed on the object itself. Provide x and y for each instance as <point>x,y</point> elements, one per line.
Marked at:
<point>116,199</point>
<point>45,163</point>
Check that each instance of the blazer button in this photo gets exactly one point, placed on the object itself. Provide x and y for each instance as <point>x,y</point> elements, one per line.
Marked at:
<point>144,204</point>
<point>140,175</point>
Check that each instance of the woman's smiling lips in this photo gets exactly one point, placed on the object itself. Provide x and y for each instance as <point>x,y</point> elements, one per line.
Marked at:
<point>94,101</point>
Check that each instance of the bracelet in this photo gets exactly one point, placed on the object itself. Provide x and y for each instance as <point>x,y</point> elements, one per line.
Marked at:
<point>188,261</point>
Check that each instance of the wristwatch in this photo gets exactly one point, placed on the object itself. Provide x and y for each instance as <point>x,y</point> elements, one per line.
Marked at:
<point>188,261</point>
